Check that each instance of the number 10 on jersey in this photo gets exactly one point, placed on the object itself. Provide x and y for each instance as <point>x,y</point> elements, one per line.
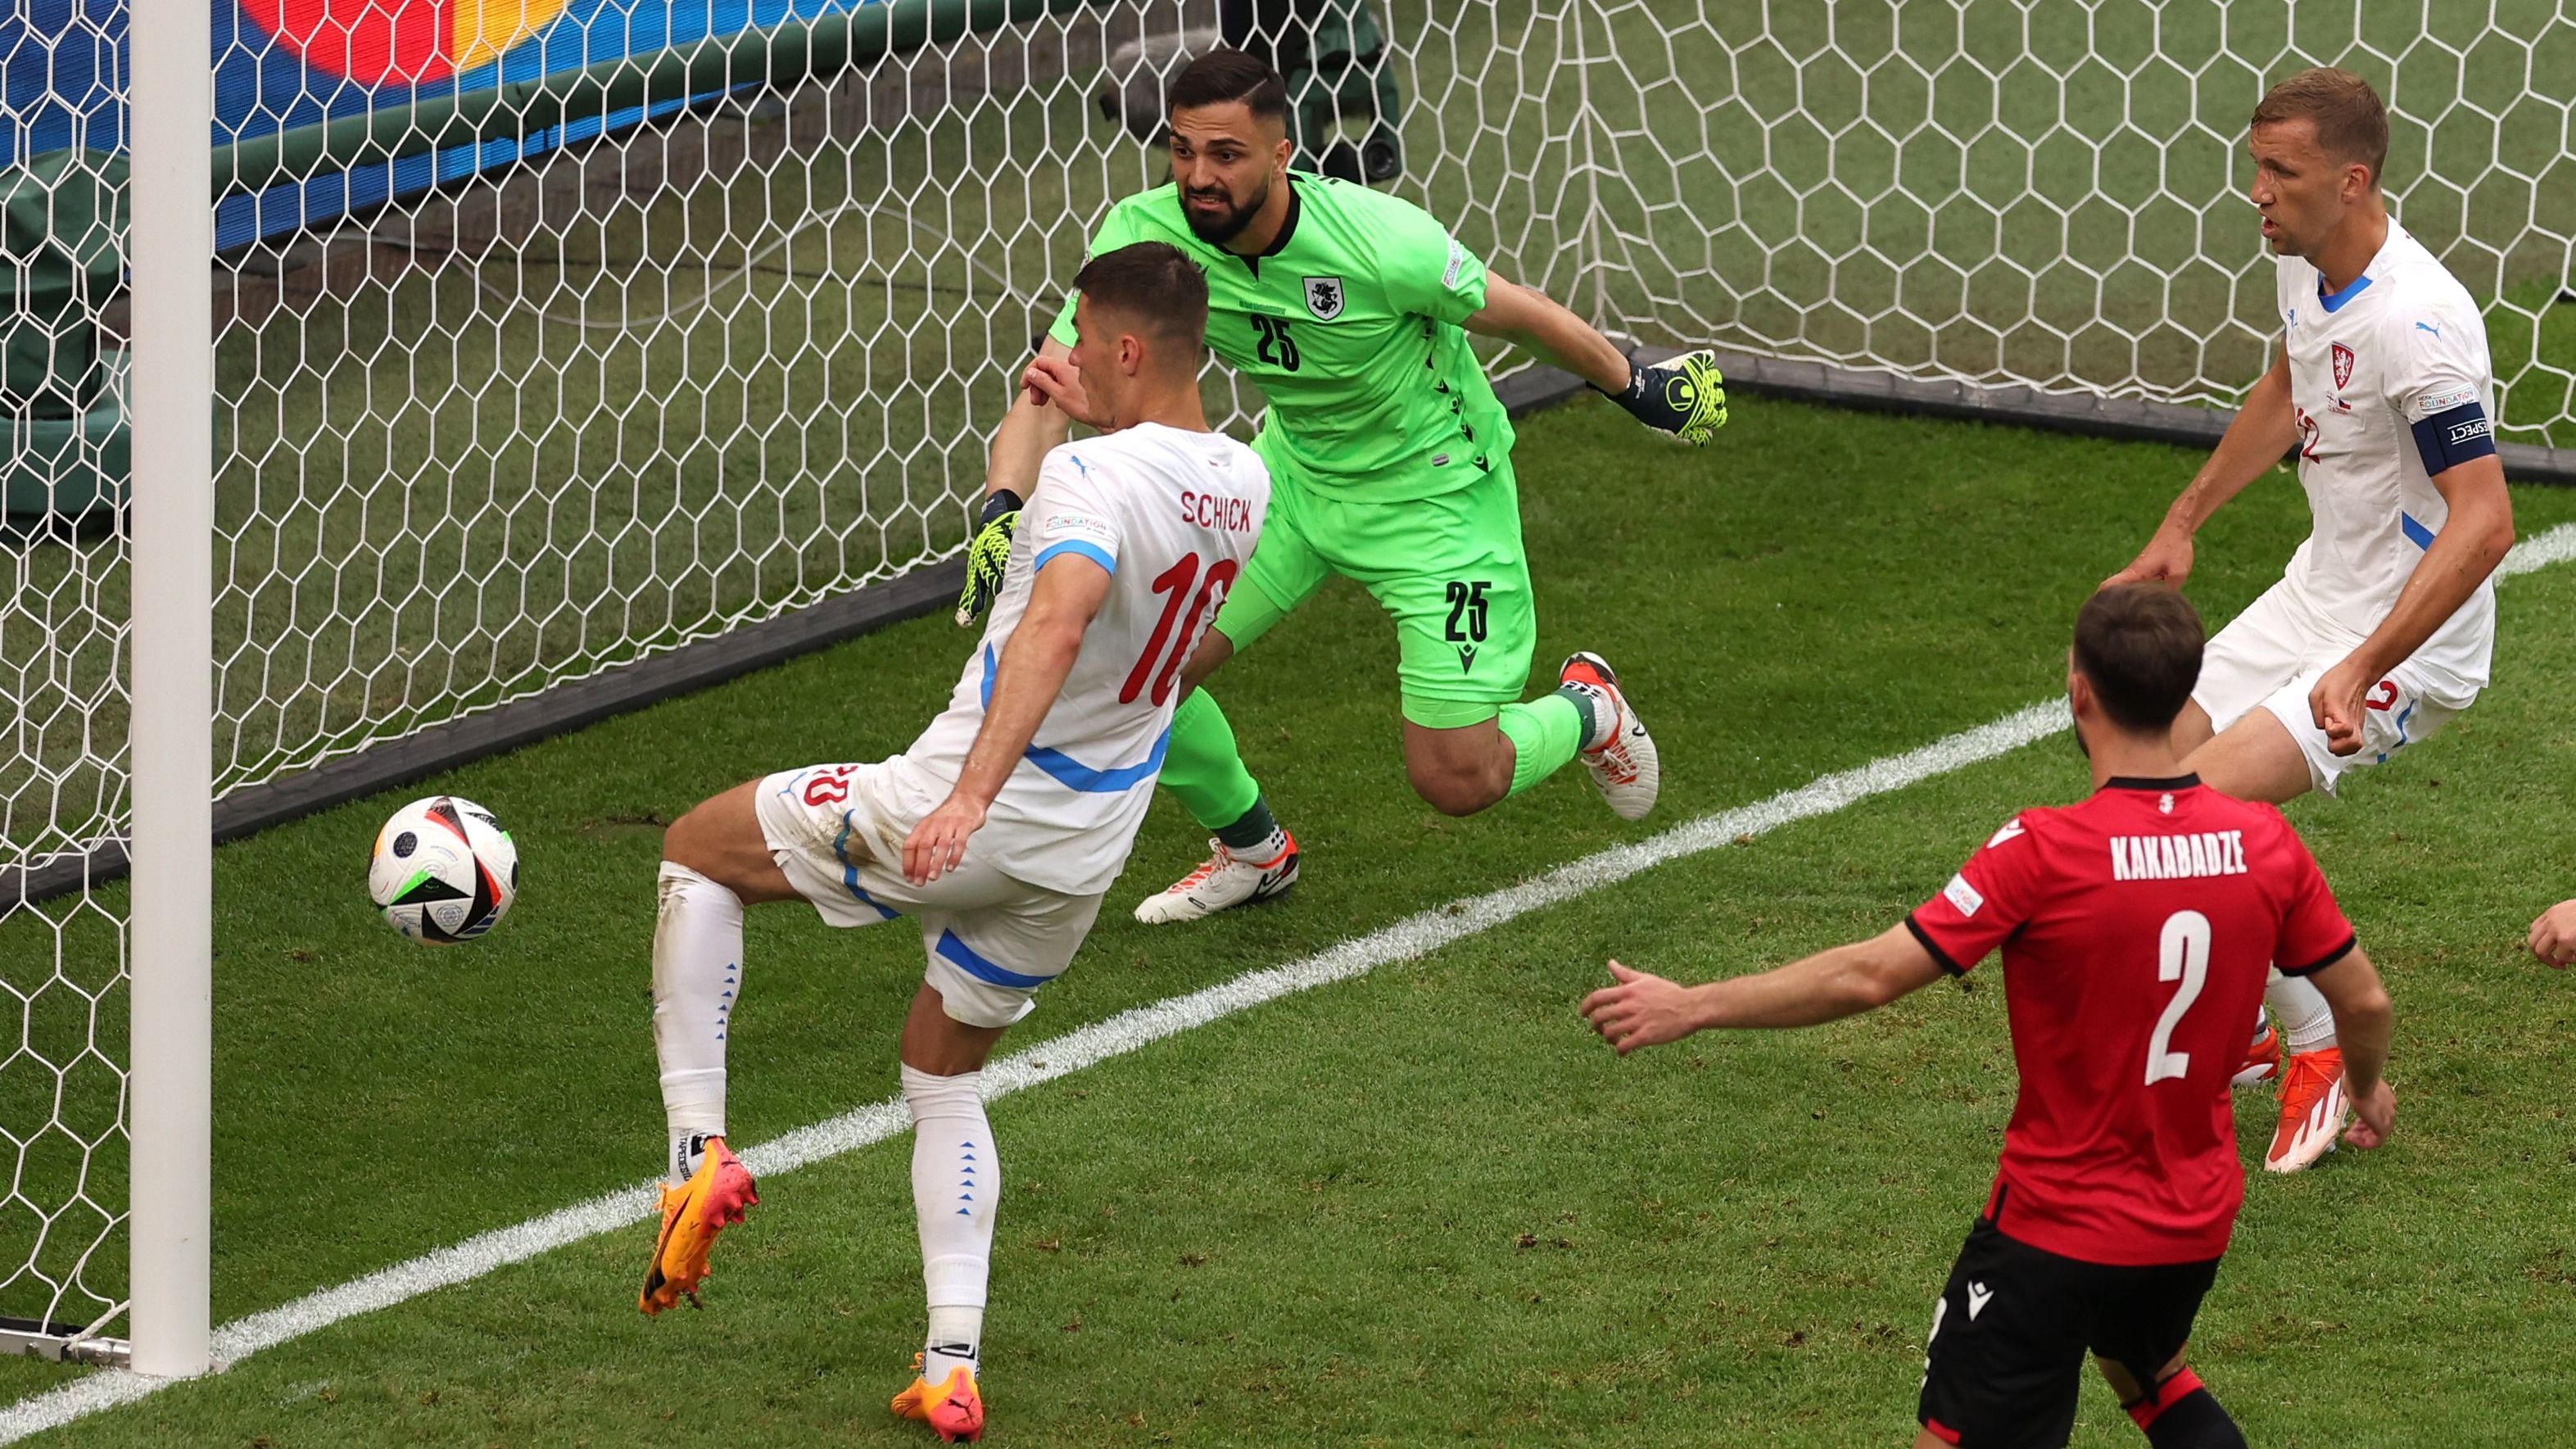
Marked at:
<point>1174,583</point>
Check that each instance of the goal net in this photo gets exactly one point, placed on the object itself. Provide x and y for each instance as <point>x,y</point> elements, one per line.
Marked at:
<point>511,391</point>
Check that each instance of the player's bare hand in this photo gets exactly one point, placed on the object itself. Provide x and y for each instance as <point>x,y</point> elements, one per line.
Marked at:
<point>1056,381</point>
<point>938,844</point>
<point>2553,936</point>
<point>2372,1116</point>
<point>2165,560</point>
<point>1641,1010</point>
<point>2336,704</point>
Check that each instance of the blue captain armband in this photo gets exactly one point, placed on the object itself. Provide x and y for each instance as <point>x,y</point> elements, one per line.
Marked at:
<point>2454,436</point>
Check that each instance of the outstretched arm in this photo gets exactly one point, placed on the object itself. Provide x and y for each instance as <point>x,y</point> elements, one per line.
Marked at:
<point>1029,430</point>
<point>1645,1010</point>
<point>1537,325</point>
<point>1685,396</point>
<point>1031,673</point>
<point>2265,428</point>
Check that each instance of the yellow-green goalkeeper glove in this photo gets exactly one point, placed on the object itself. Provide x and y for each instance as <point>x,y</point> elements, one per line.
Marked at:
<point>1685,397</point>
<point>989,556</point>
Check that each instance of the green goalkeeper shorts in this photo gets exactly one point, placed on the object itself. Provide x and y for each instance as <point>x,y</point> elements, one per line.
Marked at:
<point>1448,569</point>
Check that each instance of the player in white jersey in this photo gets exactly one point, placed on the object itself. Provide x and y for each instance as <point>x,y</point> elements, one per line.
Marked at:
<point>2380,630</point>
<point>998,830</point>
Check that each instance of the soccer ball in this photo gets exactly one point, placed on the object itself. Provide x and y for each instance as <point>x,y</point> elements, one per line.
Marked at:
<point>444,870</point>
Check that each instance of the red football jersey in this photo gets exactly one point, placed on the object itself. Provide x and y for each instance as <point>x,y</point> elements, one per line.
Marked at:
<point>2136,929</point>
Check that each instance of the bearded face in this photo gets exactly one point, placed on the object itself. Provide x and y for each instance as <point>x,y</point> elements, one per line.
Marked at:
<point>1217,216</point>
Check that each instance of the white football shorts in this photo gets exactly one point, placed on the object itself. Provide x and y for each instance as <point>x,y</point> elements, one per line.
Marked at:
<point>991,941</point>
<point>2271,655</point>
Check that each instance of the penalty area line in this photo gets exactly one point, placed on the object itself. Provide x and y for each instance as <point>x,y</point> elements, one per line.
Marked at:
<point>1128,1031</point>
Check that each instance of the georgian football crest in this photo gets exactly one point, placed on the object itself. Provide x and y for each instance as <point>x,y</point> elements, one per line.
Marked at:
<point>2342,365</point>
<point>1324,297</point>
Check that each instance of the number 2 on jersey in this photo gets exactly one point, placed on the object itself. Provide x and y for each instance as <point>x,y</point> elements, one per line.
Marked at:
<point>1175,582</point>
<point>2182,954</point>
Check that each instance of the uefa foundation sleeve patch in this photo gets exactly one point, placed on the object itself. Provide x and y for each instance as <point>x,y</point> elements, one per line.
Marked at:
<point>1963,895</point>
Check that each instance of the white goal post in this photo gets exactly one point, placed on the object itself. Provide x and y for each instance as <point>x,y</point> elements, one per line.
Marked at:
<point>430,385</point>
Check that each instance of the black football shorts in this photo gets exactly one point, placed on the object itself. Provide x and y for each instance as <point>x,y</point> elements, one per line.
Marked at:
<point>2006,1356</point>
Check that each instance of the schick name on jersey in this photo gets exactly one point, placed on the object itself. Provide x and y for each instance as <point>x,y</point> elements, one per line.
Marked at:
<point>2178,857</point>
<point>1208,510</point>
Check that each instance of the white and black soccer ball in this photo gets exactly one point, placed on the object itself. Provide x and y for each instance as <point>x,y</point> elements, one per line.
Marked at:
<point>444,870</point>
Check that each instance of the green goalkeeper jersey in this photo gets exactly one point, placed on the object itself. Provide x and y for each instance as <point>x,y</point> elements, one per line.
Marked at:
<point>1349,324</point>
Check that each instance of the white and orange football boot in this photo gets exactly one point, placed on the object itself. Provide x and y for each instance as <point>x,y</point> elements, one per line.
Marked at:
<point>693,1213</point>
<point>953,1408</point>
<point>2262,1058</point>
<point>1223,881</point>
<point>1622,757</point>
<point>2313,1110</point>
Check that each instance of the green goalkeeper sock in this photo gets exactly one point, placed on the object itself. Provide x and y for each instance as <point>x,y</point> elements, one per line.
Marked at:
<point>1202,767</point>
<point>1545,733</point>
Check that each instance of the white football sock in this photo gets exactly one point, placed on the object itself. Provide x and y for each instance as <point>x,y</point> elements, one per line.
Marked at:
<point>697,970</point>
<point>956,1185</point>
<point>2307,1023</point>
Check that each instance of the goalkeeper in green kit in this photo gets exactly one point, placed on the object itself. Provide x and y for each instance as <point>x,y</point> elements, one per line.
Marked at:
<point>1390,463</point>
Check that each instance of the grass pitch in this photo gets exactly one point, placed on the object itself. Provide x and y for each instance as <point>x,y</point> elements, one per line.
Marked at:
<point>1425,1206</point>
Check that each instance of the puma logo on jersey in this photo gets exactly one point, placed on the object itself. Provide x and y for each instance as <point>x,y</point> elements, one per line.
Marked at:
<point>1979,1295</point>
<point>2178,857</point>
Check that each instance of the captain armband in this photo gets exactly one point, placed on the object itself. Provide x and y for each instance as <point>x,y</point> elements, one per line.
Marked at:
<point>2454,436</point>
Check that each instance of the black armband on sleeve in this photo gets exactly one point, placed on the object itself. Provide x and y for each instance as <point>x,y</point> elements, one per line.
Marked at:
<point>2447,439</point>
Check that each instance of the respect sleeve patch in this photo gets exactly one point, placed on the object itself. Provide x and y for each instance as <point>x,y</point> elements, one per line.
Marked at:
<point>2454,436</point>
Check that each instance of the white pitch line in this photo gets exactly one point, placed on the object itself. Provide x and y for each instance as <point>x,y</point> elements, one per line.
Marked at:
<point>1414,936</point>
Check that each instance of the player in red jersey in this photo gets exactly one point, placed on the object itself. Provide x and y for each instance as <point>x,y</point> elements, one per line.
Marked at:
<point>2137,929</point>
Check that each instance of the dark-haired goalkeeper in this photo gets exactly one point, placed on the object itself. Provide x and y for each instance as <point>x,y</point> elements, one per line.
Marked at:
<point>1390,460</point>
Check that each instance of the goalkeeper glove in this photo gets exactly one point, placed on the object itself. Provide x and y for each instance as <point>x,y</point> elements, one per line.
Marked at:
<point>1685,397</point>
<point>989,555</point>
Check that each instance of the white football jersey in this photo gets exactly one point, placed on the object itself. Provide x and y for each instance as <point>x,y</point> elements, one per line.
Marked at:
<point>1172,515</point>
<point>2392,383</point>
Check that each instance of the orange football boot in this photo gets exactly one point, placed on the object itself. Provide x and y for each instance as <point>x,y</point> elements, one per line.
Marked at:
<point>2262,1058</point>
<point>954,1409</point>
<point>2312,1110</point>
<point>693,1213</point>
